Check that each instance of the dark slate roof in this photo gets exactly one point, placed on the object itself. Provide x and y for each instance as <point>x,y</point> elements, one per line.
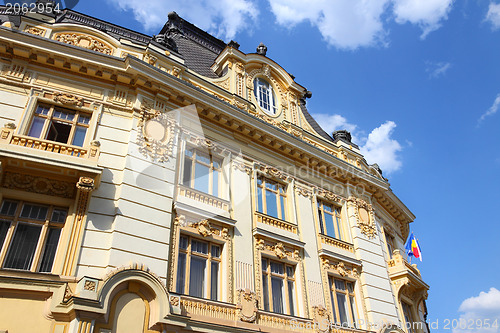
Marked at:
<point>313,123</point>
<point>198,48</point>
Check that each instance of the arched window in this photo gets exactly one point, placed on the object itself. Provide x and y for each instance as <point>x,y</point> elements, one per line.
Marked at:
<point>265,95</point>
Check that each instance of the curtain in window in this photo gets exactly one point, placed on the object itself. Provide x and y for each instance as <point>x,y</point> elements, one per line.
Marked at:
<point>197,277</point>
<point>50,250</point>
<point>277,289</point>
<point>22,250</point>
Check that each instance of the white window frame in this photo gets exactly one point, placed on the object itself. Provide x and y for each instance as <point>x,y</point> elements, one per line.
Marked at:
<point>265,96</point>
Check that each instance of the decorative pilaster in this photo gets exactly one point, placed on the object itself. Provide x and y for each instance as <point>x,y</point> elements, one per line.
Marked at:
<point>85,186</point>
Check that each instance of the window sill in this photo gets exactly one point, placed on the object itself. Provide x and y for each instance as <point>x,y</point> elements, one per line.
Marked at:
<point>275,222</point>
<point>328,240</point>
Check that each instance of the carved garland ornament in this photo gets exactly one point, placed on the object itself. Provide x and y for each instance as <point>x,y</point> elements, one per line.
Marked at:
<point>279,249</point>
<point>39,185</point>
<point>340,268</point>
<point>242,167</point>
<point>205,229</point>
<point>68,99</point>
<point>155,134</point>
<point>364,217</point>
<point>84,41</point>
<point>273,172</point>
<point>330,196</point>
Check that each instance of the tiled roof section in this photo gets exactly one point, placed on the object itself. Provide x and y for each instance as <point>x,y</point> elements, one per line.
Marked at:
<point>313,123</point>
<point>198,47</point>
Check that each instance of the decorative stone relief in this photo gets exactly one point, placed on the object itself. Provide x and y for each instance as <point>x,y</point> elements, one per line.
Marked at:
<point>280,250</point>
<point>155,134</point>
<point>150,59</point>
<point>242,167</point>
<point>175,300</point>
<point>85,184</point>
<point>303,191</point>
<point>247,305</point>
<point>273,172</point>
<point>84,41</point>
<point>224,84</point>
<point>203,228</point>
<point>34,30</point>
<point>90,285</point>
<point>321,317</point>
<point>330,196</point>
<point>364,216</point>
<point>68,99</point>
<point>39,185</point>
<point>67,293</point>
<point>340,268</point>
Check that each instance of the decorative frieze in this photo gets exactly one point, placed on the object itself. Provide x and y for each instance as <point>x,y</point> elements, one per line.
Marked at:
<point>84,41</point>
<point>40,185</point>
<point>35,30</point>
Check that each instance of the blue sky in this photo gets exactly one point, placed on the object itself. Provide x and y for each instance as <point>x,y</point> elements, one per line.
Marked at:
<point>418,84</point>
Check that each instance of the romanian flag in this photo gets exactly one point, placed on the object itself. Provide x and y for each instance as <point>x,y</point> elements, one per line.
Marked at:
<point>413,248</point>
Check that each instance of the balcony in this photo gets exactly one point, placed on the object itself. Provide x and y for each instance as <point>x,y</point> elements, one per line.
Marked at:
<point>8,137</point>
<point>225,315</point>
<point>406,277</point>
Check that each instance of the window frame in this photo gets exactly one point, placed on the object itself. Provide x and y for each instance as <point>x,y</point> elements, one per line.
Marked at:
<point>282,204</point>
<point>390,242</point>
<point>209,259</point>
<point>285,293</point>
<point>349,297</point>
<point>336,214</point>
<point>192,173</point>
<point>49,118</point>
<point>45,225</point>
<point>264,88</point>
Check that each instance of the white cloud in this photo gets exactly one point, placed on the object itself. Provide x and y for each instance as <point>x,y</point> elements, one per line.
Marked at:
<point>493,15</point>
<point>346,24</point>
<point>224,18</point>
<point>437,69</point>
<point>382,149</point>
<point>427,14</point>
<point>479,312</point>
<point>379,147</point>
<point>491,111</point>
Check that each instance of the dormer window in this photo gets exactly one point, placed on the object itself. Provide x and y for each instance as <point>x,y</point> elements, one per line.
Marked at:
<point>265,96</point>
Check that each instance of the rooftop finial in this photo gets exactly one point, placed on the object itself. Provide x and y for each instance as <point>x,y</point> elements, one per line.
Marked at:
<point>262,49</point>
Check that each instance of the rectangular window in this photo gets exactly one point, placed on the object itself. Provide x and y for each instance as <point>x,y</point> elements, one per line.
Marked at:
<point>198,268</point>
<point>61,125</point>
<point>408,317</point>
<point>36,230</point>
<point>278,287</point>
<point>202,172</point>
<point>330,221</point>
<point>343,302</point>
<point>271,198</point>
<point>390,244</point>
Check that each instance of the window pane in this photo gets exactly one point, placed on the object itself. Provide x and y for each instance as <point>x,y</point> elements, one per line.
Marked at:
<point>264,265</point>
<point>289,271</point>
<point>64,114</point>
<point>271,204</point>
<point>332,296</point>
<point>23,246</point>
<point>79,137</point>
<point>353,309</point>
<point>291,297</point>
<point>8,208</point>
<point>50,250</point>
<point>350,287</point>
<point>330,229</point>
<point>339,285</point>
<point>277,268</point>
<point>84,119</point>
<point>341,301</point>
<point>271,185</point>
<point>321,227</point>
<point>197,277</point>
<point>59,215</point>
<point>4,228</point>
<point>201,173</point>
<point>203,158</point>
<point>36,127</point>
<point>199,247</point>
<point>34,212</point>
<point>181,273</point>
<point>339,227</point>
<point>214,281</point>
<point>277,290</point>
<point>40,109</point>
<point>215,251</point>
<point>186,179</point>
<point>259,200</point>
<point>283,207</point>
<point>265,292</point>
<point>215,182</point>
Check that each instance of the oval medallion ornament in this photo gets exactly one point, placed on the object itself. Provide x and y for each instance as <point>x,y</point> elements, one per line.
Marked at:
<point>363,215</point>
<point>156,130</point>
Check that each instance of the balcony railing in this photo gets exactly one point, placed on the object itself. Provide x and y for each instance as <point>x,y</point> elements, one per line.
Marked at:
<point>7,136</point>
<point>398,263</point>
<point>228,314</point>
<point>336,242</point>
<point>203,198</point>
<point>274,222</point>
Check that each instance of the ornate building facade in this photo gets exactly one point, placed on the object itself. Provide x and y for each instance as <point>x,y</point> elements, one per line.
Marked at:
<point>174,183</point>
